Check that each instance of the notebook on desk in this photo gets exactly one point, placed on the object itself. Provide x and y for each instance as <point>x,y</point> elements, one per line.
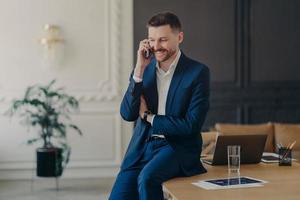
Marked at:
<point>252,147</point>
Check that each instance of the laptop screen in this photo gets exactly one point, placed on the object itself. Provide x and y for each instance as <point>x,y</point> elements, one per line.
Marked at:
<point>252,147</point>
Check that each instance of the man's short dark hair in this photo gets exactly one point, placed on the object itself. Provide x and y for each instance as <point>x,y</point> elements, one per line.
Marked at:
<point>165,18</point>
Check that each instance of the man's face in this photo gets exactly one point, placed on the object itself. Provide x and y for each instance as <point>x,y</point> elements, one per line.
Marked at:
<point>164,41</point>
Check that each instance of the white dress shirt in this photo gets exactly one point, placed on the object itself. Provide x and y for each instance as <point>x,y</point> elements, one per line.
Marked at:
<point>163,80</point>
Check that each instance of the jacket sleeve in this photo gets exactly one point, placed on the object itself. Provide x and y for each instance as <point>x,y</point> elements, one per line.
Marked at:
<point>130,104</point>
<point>194,118</point>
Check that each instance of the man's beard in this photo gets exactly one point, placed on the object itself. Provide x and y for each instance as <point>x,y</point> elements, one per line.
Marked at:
<point>167,56</point>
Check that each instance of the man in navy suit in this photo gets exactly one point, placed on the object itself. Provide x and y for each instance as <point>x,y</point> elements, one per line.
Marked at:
<point>168,97</point>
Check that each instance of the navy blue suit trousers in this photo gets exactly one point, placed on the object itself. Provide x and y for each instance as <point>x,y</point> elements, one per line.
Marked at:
<point>143,181</point>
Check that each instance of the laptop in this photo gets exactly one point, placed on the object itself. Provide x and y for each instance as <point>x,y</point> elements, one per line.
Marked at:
<point>252,147</point>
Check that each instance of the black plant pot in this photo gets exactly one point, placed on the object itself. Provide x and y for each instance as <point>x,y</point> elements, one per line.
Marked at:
<point>49,162</point>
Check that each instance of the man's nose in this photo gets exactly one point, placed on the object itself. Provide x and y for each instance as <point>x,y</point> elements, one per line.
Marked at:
<point>156,46</point>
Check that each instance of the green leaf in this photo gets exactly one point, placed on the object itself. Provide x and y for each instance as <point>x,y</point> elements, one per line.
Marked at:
<point>28,91</point>
<point>44,90</point>
<point>53,94</point>
<point>50,84</point>
<point>76,128</point>
<point>31,141</point>
<point>61,128</point>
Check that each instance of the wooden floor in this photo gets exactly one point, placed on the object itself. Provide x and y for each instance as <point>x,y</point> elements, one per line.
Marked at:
<point>45,189</point>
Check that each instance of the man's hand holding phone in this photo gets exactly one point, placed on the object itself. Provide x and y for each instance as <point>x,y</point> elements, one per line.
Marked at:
<point>143,58</point>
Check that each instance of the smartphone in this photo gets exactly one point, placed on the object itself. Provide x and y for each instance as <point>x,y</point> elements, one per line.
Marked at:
<point>148,53</point>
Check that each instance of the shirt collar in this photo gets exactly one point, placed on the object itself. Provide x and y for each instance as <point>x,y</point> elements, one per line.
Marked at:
<point>172,66</point>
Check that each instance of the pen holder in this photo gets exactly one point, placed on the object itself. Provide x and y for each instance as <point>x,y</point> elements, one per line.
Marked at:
<point>285,157</point>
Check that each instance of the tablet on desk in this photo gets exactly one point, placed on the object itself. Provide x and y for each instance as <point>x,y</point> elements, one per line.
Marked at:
<point>234,181</point>
<point>227,183</point>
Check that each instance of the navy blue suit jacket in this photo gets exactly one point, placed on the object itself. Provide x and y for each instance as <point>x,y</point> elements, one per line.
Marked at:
<point>186,108</point>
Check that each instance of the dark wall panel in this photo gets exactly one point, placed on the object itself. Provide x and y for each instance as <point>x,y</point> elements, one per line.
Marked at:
<point>206,33</point>
<point>275,40</point>
<point>274,113</point>
<point>252,49</point>
<point>226,114</point>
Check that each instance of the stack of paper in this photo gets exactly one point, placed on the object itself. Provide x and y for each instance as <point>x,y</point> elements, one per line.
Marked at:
<point>270,157</point>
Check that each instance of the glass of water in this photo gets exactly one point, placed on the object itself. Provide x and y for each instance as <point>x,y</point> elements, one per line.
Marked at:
<point>234,157</point>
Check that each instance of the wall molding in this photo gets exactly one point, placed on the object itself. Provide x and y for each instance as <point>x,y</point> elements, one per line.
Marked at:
<point>109,88</point>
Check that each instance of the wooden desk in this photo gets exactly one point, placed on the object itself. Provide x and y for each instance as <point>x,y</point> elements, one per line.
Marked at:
<point>283,184</point>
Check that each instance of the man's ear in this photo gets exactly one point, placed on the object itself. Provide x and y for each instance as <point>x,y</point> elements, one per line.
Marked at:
<point>180,37</point>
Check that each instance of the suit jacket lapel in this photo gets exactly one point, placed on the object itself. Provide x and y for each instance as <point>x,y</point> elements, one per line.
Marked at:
<point>176,79</point>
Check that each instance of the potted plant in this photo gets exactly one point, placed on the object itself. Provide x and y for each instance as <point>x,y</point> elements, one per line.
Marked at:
<point>48,110</point>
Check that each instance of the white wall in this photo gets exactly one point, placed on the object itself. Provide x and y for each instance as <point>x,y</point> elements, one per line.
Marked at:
<point>97,61</point>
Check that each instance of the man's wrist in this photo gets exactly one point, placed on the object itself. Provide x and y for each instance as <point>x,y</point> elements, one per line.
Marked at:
<point>137,79</point>
<point>146,115</point>
<point>150,118</point>
<point>138,72</point>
